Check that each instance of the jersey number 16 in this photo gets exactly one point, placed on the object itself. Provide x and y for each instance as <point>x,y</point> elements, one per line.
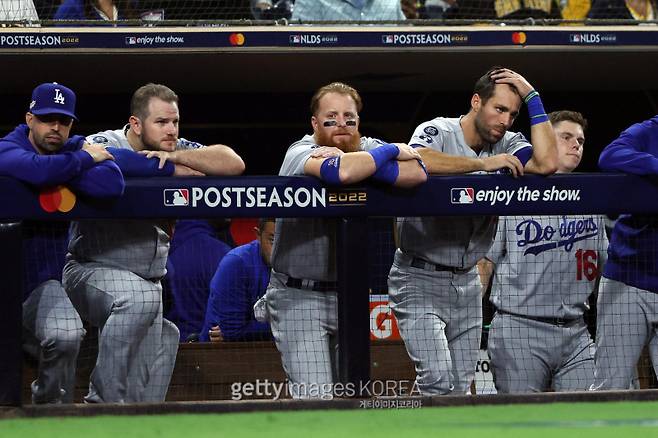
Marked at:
<point>586,261</point>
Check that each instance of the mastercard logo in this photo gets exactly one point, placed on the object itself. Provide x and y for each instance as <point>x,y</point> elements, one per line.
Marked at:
<point>236,39</point>
<point>59,198</point>
<point>519,38</point>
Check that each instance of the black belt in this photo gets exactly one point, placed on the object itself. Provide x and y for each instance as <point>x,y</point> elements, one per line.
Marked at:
<point>560,322</point>
<point>422,264</point>
<point>318,286</point>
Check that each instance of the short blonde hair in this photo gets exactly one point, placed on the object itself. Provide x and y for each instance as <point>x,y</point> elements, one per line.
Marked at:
<point>339,88</point>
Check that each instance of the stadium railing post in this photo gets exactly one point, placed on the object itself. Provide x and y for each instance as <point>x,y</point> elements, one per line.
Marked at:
<point>11,315</point>
<point>353,303</point>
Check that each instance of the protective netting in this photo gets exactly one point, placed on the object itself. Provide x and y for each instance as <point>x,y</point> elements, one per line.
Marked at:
<point>399,12</point>
<point>525,318</point>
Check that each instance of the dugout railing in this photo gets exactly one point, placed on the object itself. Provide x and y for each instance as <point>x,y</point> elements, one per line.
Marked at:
<point>283,197</point>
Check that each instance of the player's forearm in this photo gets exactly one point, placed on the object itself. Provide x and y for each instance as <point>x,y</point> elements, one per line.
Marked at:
<point>355,167</point>
<point>348,168</point>
<point>101,181</point>
<point>544,150</point>
<point>212,160</point>
<point>439,163</point>
<point>622,156</point>
<point>133,164</point>
<point>411,174</point>
<point>44,170</point>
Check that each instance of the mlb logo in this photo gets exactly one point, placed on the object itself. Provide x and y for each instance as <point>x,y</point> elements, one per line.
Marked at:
<point>387,39</point>
<point>176,197</point>
<point>295,39</point>
<point>575,38</point>
<point>463,195</point>
<point>131,40</point>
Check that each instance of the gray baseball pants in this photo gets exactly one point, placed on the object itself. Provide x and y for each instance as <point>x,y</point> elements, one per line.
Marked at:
<point>534,356</point>
<point>136,348</point>
<point>53,332</point>
<point>439,315</point>
<point>627,320</point>
<point>305,327</point>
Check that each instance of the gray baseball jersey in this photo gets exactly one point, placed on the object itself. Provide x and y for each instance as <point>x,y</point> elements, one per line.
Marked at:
<point>303,248</point>
<point>305,322</point>
<point>112,276</point>
<point>137,246</point>
<point>117,138</point>
<point>458,242</point>
<point>546,266</point>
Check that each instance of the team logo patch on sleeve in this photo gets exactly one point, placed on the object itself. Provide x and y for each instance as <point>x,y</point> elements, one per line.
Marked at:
<point>430,130</point>
<point>101,139</point>
<point>187,144</point>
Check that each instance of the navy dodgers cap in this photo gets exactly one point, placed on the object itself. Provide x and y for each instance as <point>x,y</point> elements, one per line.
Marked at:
<point>53,98</point>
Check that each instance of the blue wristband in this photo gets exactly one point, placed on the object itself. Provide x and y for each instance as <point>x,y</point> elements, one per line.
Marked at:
<point>524,155</point>
<point>535,108</point>
<point>387,173</point>
<point>384,153</point>
<point>329,171</point>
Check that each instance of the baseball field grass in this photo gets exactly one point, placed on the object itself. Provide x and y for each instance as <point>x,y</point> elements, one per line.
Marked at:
<point>556,420</point>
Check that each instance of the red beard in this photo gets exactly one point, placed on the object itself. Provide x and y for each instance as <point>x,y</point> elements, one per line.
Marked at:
<point>343,139</point>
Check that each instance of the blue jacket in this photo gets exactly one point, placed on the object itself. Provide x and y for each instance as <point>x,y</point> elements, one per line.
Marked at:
<point>70,166</point>
<point>193,257</point>
<point>44,244</point>
<point>241,279</point>
<point>632,255</point>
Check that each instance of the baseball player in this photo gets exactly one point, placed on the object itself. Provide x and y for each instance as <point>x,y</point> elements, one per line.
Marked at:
<point>546,267</point>
<point>301,297</point>
<point>433,283</point>
<point>113,268</point>
<point>240,280</point>
<point>627,307</point>
<point>194,253</point>
<point>41,154</point>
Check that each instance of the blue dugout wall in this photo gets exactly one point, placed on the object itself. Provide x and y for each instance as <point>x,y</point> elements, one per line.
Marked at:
<point>305,197</point>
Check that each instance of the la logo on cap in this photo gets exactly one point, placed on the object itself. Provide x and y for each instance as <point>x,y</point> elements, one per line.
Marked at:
<point>53,98</point>
<point>59,97</point>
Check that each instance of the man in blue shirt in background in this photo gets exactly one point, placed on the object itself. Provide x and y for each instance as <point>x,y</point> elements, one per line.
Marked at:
<point>241,279</point>
<point>194,255</point>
